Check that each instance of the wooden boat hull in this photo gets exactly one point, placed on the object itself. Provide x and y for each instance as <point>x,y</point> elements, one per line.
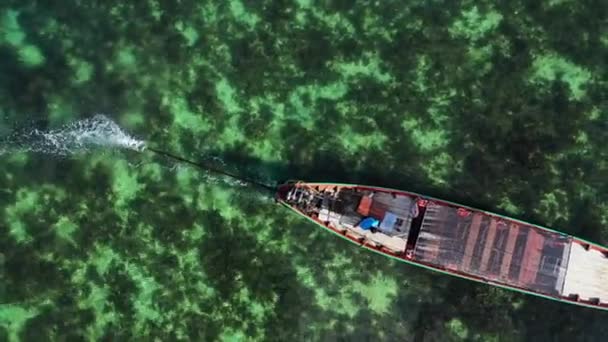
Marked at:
<point>458,240</point>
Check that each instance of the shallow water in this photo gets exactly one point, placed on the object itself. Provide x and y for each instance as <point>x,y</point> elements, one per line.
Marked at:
<point>498,106</point>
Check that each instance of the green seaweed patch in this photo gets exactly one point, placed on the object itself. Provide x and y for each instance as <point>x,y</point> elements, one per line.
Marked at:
<point>341,302</point>
<point>82,70</point>
<point>332,91</point>
<point>19,232</point>
<point>146,309</point>
<point>188,32</point>
<point>65,228</point>
<point>375,26</point>
<point>185,177</point>
<point>144,233</point>
<point>227,96</point>
<point>355,143</point>
<point>265,122</point>
<point>509,207</point>
<point>602,209</point>
<point>195,234</point>
<point>204,290</point>
<point>232,134</point>
<point>301,16</point>
<point>95,163</point>
<point>549,67</point>
<point>594,113</point>
<point>266,149</point>
<point>551,207</point>
<point>379,292</point>
<point>51,28</point>
<point>420,79</point>
<point>243,15</point>
<point>427,139</point>
<point>458,329</point>
<point>301,111</point>
<point>582,141</point>
<point>60,110</point>
<point>13,318</point>
<point>304,4</point>
<point>155,9</point>
<point>103,257</point>
<point>10,29</point>
<point>337,23</point>
<point>126,58</point>
<point>369,65</point>
<point>440,105</point>
<point>183,116</point>
<point>440,166</point>
<point>303,100</point>
<point>305,276</point>
<point>481,57</point>
<point>604,39</point>
<point>189,260</point>
<point>125,185</point>
<point>132,119</point>
<point>265,235</point>
<point>257,311</point>
<point>233,335</point>
<point>30,55</point>
<point>209,13</point>
<point>474,25</point>
<point>97,300</point>
<point>153,171</point>
<point>213,196</point>
<point>27,202</point>
<point>12,34</point>
<point>555,3</point>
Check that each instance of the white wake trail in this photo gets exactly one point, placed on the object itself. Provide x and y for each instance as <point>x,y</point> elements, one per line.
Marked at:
<point>77,137</point>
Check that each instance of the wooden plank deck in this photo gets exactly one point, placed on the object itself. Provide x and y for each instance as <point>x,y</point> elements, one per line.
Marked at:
<point>471,241</point>
<point>509,249</point>
<point>587,274</point>
<point>531,258</point>
<point>489,243</point>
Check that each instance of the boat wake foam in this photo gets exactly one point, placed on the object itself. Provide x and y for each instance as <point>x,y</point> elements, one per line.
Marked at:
<point>81,136</point>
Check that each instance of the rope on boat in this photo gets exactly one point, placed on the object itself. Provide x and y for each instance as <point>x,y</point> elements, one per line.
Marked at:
<point>212,169</point>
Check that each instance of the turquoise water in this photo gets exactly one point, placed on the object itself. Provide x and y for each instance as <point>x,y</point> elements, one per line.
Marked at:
<point>497,106</point>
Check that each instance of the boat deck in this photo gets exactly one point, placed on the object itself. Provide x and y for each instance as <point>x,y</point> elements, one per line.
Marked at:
<point>493,248</point>
<point>344,209</point>
<point>587,273</point>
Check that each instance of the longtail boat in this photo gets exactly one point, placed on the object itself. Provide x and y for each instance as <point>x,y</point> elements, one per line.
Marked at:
<point>457,240</point>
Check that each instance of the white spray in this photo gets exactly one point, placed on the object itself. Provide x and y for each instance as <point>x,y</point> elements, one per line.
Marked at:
<point>81,136</point>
